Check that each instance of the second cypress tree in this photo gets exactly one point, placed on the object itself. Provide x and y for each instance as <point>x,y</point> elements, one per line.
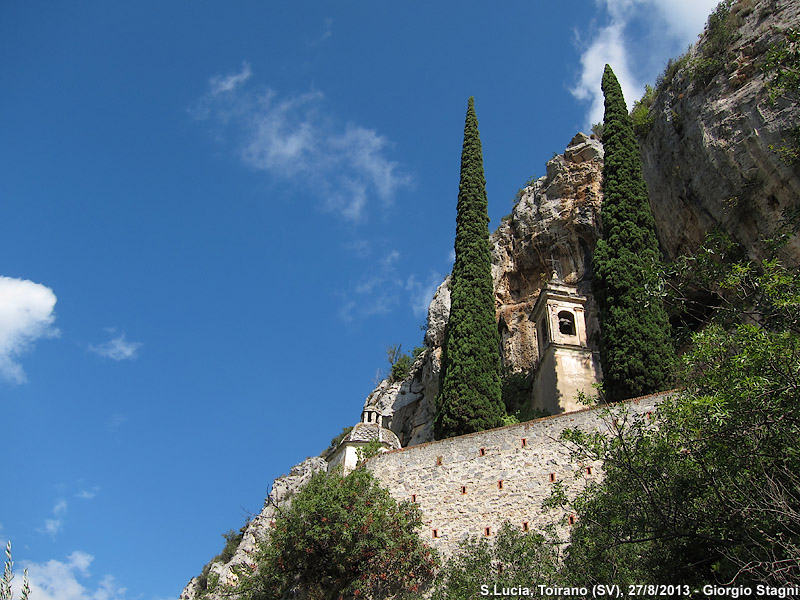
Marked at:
<point>470,398</point>
<point>635,348</point>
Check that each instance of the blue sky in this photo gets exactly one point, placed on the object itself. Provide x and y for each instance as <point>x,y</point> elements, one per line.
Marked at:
<point>217,216</point>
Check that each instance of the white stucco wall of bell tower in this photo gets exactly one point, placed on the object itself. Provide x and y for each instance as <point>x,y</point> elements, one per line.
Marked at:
<point>567,366</point>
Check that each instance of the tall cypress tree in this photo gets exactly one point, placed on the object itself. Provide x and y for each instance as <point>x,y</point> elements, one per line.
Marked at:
<point>470,397</point>
<point>635,348</point>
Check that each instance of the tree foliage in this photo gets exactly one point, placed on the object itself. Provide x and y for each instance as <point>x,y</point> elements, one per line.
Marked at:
<point>709,491</point>
<point>512,559</point>
<point>344,537</point>
<point>635,348</point>
<point>714,54</point>
<point>401,362</point>
<point>470,398</point>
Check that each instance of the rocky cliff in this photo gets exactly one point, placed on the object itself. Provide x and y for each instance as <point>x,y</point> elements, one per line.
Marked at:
<point>710,160</point>
<point>551,232</point>
<point>710,157</point>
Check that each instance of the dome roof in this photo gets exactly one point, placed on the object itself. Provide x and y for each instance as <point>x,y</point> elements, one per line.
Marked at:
<point>366,432</point>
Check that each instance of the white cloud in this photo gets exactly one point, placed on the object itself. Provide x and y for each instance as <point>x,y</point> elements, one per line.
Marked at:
<point>377,291</point>
<point>421,293</point>
<point>382,288</point>
<point>53,526</point>
<point>60,508</point>
<point>292,138</point>
<point>327,33</point>
<point>663,29</point>
<point>117,348</point>
<point>66,580</point>
<point>228,83</point>
<point>26,314</point>
<point>88,494</point>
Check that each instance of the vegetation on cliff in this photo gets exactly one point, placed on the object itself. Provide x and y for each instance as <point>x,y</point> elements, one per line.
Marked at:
<point>344,537</point>
<point>635,348</point>
<point>782,67</point>
<point>470,397</point>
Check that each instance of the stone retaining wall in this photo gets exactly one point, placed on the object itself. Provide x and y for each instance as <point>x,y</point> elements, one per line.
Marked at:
<point>469,485</point>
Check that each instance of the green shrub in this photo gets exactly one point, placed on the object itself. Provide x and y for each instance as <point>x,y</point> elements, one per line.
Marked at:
<point>517,389</point>
<point>518,196</point>
<point>232,540</point>
<point>344,537</point>
<point>336,441</point>
<point>664,81</point>
<point>714,53</point>
<point>368,450</point>
<point>400,362</point>
<point>207,581</point>
<point>512,559</point>
<point>641,115</point>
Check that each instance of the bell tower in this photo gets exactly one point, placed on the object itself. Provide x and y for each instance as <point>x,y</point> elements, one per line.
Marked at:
<point>566,363</point>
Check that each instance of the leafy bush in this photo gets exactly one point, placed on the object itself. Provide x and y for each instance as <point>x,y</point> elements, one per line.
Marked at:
<point>344,537</point>
<point>232,541</point>
<point>517,389</point>
<point>337,440</point>
<point>208,581</point>
<point>400,362</point>
<point>368,450</point>
<point>518,196</point>
<point>665,80</point>
<point>513,558</point>
<point>641,115</point>
<point>719,32</point>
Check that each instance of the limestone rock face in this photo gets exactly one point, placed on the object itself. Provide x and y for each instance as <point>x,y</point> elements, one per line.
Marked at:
<point>283,489</point>
<point>552,231</point>
<point>707,159</point>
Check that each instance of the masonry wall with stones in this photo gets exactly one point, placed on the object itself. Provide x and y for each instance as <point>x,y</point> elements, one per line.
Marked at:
<point>470,485</point>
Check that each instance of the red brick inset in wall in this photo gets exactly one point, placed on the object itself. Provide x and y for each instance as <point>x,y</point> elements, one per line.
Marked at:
<point>436,533</point>
<point>438,461</point>
<point>588,470</point>
<point>487,531</point>
<point>413,497</point>
<point>463,489</point>
<point>482,451</point>
<point>524,442</point>
<point>552,477</point>
<point>500,484</point>
<point>571,519</point>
